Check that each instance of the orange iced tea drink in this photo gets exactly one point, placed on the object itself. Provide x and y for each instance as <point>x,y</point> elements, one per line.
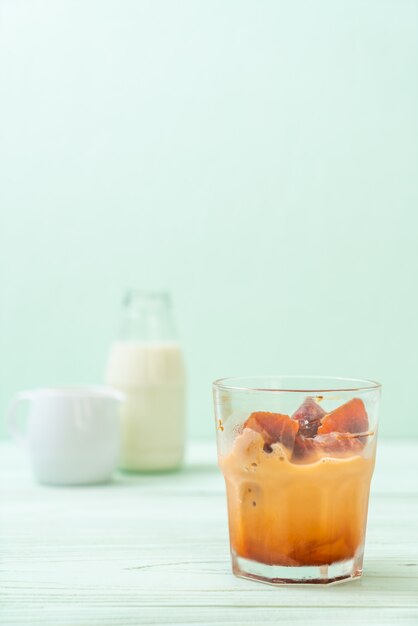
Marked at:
<point>297,486</point>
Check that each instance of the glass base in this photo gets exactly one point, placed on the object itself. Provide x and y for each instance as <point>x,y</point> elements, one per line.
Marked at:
<point>303,575</point>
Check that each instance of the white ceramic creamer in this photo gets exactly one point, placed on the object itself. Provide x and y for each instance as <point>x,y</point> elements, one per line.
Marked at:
<point>71,433</point>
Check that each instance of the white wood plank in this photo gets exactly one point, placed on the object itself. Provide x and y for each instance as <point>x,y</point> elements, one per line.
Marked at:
<point>62,615</point>
<point>154,550</point>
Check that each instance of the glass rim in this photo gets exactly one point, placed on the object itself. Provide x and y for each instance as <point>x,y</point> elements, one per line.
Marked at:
<point>137,292</point>
<point>234,383</point>
<point>145,296</point>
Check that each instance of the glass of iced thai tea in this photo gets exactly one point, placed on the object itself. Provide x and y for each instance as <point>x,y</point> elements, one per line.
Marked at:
<point>297,455</point>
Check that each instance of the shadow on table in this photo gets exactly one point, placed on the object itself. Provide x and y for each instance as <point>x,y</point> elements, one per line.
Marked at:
<point>186,473</point>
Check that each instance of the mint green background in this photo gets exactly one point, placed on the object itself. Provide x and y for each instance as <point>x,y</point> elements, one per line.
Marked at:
<point>257,158</point>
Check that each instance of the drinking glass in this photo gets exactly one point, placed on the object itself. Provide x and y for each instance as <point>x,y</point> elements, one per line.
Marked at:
<point>297,455</point>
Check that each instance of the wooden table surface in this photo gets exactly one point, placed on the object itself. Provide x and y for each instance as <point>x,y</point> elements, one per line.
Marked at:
<point>154,550</point>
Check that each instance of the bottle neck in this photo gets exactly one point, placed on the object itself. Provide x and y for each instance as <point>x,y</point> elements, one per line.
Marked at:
<point>147,317</point>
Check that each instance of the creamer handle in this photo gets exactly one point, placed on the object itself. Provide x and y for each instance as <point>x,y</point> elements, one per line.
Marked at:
<point>12,423</point>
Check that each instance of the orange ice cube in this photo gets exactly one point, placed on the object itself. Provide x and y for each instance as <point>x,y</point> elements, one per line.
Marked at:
<point>274,427</point>
<point>310,449</point>
<point>350,417</point>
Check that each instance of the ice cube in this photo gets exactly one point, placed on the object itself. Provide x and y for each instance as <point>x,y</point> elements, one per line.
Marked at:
<point>273,427</point>
<point>309,415</point>
<point>350,417</point>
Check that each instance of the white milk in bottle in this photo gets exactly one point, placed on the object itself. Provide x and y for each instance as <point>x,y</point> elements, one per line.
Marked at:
<point>146,364</point>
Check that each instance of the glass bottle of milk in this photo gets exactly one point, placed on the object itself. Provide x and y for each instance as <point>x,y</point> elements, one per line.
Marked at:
<point>146,363</point>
